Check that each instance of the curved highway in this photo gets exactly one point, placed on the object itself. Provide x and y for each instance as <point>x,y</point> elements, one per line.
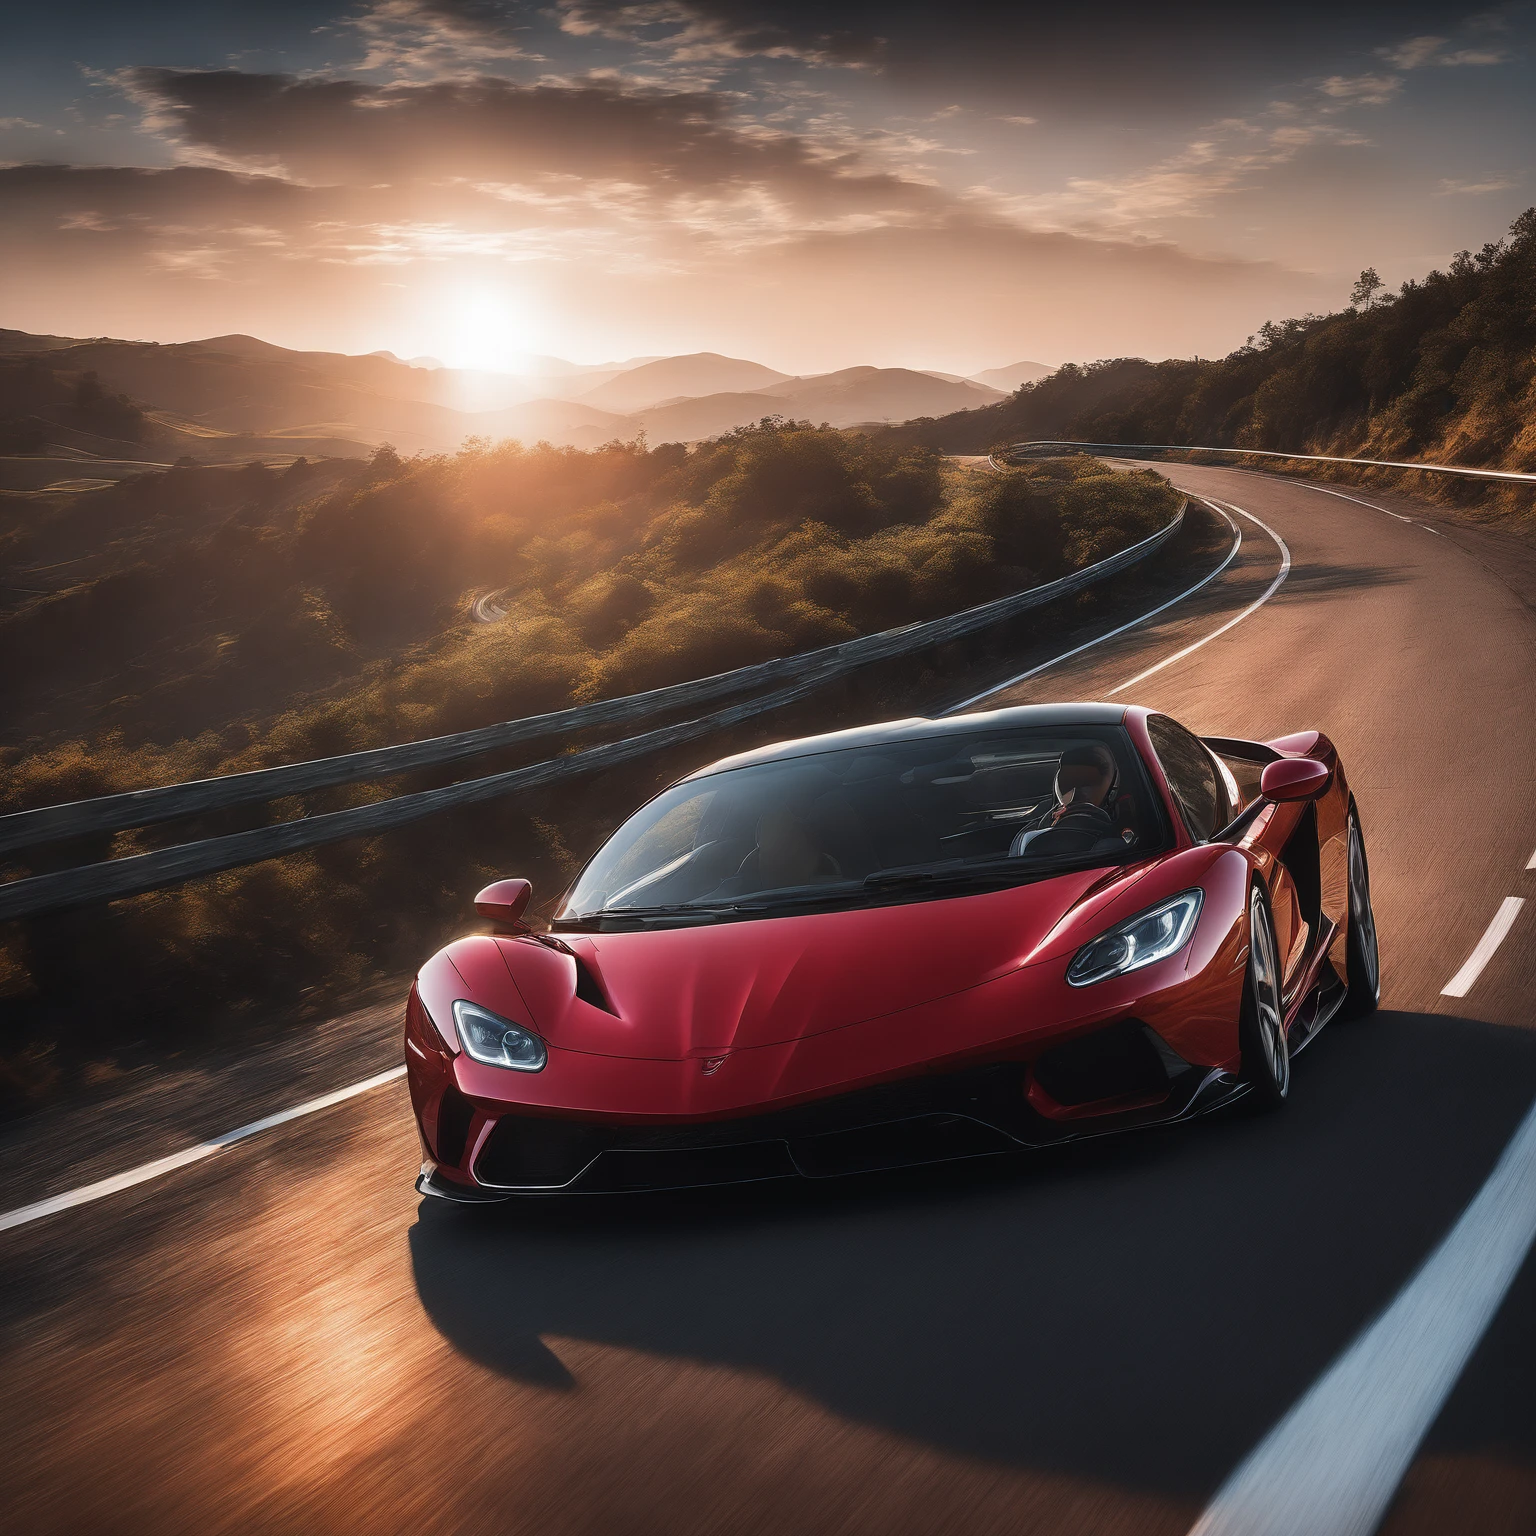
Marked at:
<point>284,1338</point>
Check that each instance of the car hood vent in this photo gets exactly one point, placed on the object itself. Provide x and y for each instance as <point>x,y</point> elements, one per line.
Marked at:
<point>677,993</point>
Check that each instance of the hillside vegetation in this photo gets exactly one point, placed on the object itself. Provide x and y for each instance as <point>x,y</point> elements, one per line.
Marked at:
<point>274,618</point>
<point>1444,370</point>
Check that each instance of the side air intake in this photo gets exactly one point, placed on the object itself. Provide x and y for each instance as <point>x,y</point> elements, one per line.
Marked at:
<point>454,1112</point>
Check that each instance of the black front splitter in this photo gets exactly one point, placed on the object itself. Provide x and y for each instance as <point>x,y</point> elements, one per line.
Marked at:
<point>878,1146</point>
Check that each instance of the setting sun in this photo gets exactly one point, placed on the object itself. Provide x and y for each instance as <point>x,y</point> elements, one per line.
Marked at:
<point>481,327</point>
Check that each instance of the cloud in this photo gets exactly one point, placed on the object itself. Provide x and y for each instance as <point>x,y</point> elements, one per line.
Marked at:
<point>1362,90</point>
<point>87,218</point>
<point>1231,156</point>
<point>1020,122</point>
<point>489,130</point>
<point>1475,56</point>
<point>1450,187</point>
<point>435,38</point>
<point>1414,53</point>
<point>199,251</point>
<point>1418,52</point>
<point>696,31</point>
<point>132,195</point>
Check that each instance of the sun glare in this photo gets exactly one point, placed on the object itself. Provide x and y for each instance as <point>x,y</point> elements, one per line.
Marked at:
<point>483,328</point>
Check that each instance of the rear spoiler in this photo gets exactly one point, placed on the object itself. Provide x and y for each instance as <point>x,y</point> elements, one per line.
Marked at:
<point>1248,751</point>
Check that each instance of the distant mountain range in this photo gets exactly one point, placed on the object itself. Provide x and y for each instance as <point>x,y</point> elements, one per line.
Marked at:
<point>238,397</point>
<point>670,379</point>
<point>1013,377</point>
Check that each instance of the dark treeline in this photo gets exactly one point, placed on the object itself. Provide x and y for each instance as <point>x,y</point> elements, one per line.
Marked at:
<point>29,386</point>
<point>229,619</point>
<point>1445,369</point>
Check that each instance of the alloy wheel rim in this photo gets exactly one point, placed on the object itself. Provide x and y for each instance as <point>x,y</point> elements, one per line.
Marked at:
<point>1360,912</point>
<point>1266,992</point>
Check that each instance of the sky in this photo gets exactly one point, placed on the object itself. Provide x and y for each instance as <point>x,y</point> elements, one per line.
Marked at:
<point>813,185</point>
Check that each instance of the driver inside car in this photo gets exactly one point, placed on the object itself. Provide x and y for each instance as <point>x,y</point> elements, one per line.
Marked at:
<point>1080,821</point>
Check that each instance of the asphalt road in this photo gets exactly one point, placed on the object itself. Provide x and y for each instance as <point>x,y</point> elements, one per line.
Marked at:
<point>283,1338</point>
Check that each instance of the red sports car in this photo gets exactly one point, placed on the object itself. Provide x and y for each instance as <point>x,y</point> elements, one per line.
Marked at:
<point>902,944</point>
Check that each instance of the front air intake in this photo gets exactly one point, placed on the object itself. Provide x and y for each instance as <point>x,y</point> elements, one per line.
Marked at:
<point>1117,1062</point>
<point>537,1152</point>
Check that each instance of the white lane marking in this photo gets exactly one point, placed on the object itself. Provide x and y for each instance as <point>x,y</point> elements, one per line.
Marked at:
<point>1332,1464</point>
<point>1269,592</point>
<point>147,1171</point>
<point>1045,666</point>
<point>1503,920</point>
<point>1530,863</point>
<point>1342,497</point>
<point>1428,529</point>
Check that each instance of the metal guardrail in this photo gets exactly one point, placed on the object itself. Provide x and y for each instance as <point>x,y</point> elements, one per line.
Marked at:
<point>130,876</point>
<point>1511,475</point>
<point>146,807</point>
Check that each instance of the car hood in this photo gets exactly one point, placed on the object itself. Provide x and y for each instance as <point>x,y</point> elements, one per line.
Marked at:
<point>677,993</point>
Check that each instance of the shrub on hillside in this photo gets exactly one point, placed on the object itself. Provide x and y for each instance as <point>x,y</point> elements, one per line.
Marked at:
<point>621,569</point>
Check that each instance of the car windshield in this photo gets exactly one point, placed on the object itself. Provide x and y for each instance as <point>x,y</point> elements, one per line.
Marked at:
<point>846,825</point>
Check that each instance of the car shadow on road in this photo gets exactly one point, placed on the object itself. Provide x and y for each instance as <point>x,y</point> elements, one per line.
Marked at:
<point>1137,1310</point>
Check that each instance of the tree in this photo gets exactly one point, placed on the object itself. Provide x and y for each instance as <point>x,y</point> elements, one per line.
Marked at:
<point>88,392</point>
<point>1367,291</point>
<point>385,463</point>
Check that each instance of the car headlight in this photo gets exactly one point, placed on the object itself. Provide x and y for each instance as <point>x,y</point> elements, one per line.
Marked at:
<point>1149,936</point>
<point>497,1041</point>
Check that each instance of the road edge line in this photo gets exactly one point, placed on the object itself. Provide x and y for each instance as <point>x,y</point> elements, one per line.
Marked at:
<point>115,1183</point>
<point>1045,666</point>
<point>1253,607</point>
<point>1333,1464</point>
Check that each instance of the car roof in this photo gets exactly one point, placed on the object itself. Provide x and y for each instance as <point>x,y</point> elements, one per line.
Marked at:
<point>920,728</point>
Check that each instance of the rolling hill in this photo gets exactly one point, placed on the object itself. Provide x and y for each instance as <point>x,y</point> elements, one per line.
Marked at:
<point>691,376</point>
<point>854,395</point>
<point>848,398</point>
<point>1013,376</point>
<point>236,398</point>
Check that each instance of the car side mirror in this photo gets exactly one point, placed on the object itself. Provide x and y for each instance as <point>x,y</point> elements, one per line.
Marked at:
<point>503,903</point>
<point>1294,778</point>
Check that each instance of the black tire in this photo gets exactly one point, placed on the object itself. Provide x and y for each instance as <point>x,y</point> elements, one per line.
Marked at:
<point>1266,1057</point>
<point>1361,958</point>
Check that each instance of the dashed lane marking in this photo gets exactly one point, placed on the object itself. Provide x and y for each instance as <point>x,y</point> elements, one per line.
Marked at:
<point>1503,920</point>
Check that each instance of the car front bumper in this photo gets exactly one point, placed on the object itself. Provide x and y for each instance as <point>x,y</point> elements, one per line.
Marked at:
<point>928,1119</point>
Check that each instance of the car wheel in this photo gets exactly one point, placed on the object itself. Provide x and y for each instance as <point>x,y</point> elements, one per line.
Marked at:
<point>1361,959</point>
<point>1266,1057</point>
